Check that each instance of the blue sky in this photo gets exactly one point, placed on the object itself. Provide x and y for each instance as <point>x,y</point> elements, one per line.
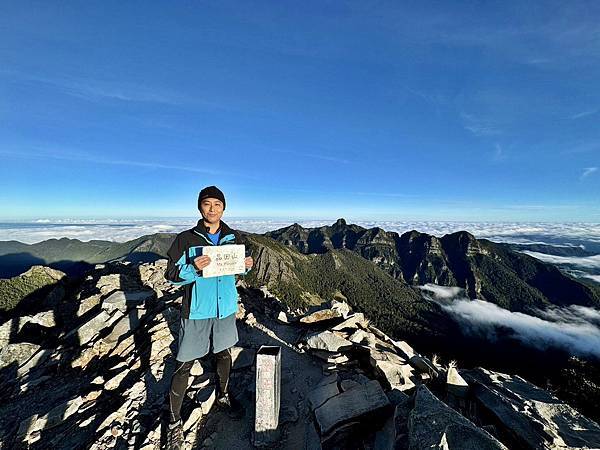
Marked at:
<point>390,110</point>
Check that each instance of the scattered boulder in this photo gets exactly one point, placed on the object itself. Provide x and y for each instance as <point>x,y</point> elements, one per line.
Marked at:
<point>432,424</point>
<point>320,316</point>
<point>368,400</point>
<point>398,374</point>
<point>30,429</point>
<point>532,417</point>
<point>17,354</point>
<point>282,317</point>
<point>336,310</point>
<point>456,384</point>
<point>123,300</point>
<point>353,321</point>
<point>326,340</point>
<point>44,319</point>
<point>323,393</point>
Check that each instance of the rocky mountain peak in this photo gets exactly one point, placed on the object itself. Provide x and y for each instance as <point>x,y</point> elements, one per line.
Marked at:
<point>100,379</point>
<point>341,222</point>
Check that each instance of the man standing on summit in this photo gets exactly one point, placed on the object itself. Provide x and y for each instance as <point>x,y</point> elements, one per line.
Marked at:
<point>208,308</point>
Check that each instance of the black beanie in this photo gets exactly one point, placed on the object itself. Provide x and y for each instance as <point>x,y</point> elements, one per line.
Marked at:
<point>212,192</point>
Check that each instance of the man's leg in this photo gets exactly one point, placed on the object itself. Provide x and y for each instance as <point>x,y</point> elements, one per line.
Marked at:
<point>223,370</point>
<point>179,383</point>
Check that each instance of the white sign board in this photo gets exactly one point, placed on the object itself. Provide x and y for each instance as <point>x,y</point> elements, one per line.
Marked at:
<point>224,260</point>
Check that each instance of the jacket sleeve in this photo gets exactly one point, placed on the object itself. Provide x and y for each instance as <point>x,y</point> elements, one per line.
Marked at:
<point>179,271</point>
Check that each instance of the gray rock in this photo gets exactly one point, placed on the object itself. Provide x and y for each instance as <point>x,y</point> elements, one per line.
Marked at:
<point>352,322</point>
<point>430,418</point>
<point>385,438</point>
<point>87,304</point>
<point>342,308</point>
<point>456,384</point>
<point>192,419</point>
<point>17,354</point>
<point>44,319</point>
<point>346,385</point>
<point>326,340</point>
<point>312,441</point>
<point>90,329</point>
<point>406,349</point>
<point>6,329</point>
<point>424,365</point>
<point>330,357</point>
<point>123,300</point>
<point>328,379</point>
<point>353,405</point>
<point>30,429</point>
<point>322,393</point>
<point>362,337</point>
<point>533,417</point>
<point>36,360</point>
<point>126,324</point>
<point>206,398</point>
<point>321,315</point>
<point>457,436</point>
<point>395,370</point>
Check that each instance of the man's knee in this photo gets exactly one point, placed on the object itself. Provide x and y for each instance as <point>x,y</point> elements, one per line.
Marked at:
<point>183,368</point>
<point>223,354</point>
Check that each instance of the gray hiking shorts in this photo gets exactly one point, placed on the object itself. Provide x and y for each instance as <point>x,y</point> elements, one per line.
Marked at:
<point>198,336</point>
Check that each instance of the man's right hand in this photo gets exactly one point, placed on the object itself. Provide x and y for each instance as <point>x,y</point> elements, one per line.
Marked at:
<point>201,262</point>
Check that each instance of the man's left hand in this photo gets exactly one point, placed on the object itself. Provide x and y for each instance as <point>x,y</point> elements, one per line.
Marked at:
<point>248,261</point>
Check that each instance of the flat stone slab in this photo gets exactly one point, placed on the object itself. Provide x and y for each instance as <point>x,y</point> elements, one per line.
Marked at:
<point>321,315</point>
<point>353,322</point>
<point>424,365</point>
<point>430,419</point>
<point>533,417</point>
<point>351,405</point>
<point>326,340</point>
<point>122,300</point>
<point>17,353</point>
<point>322,393</point>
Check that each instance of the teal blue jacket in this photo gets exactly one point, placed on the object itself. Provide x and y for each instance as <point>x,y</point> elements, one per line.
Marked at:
<point>208,297</point>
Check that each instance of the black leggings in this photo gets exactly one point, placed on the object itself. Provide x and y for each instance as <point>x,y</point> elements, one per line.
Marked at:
<point>179,381</point>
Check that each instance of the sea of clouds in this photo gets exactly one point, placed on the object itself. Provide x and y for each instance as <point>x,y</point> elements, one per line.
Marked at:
<point>575,328</point>
<point>120,230</point>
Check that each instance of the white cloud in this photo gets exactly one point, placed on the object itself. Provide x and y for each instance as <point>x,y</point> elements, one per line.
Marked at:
<point>559,234</point>
<point>584,114</point>
<point>574,328</point>
<point>588,262</point>
<point>442,292</point>
<point>587,172</point>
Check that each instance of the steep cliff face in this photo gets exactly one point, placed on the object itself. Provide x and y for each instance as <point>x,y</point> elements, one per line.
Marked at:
<point>486,270</point>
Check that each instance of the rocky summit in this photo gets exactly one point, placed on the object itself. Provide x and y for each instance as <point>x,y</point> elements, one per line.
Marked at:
<point>89,367</point>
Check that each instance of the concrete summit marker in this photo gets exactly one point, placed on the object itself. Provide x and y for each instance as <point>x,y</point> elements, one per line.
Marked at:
<point>268,393</point>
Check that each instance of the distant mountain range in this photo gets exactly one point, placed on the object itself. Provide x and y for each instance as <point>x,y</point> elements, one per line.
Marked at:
<point>73,256</point>
<point>486,270</point>
<point>299,264</point>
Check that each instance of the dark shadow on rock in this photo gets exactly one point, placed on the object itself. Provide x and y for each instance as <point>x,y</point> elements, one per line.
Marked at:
<point>14,264</point>
<point>34,389</point>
